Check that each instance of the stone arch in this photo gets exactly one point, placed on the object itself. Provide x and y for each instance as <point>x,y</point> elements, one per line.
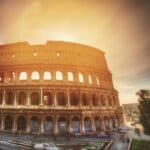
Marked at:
<point>106,123</point>
<point>48,98</point>
<point>74,98</point>
<point>35,124</point>
<point>81,77</point>
<point>103,100</point>
<point>59,75</point>
<point>1,97</point>
<point>21,123</point>
<point>70,76</point>
<point>87,124</point>
<point>75,123</point>
<point>23,76</point>
<point>0,122</point>
<point>97,123</point>
<point>35,98</point>
<point>2,77</point>
<point>47,75</point>
<point>48,125</point>
<point>109,101</point>
<point>114,100</point>
<point>95,99</point>
<point>85,99</point>
<point>10,98</point>
<point>35,75</point>
<point>8,122</point>
<point>62,125</point>
<point>22,98</point>
<point>61,98</point>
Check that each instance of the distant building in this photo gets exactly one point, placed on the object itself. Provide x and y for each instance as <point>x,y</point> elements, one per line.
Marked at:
<point>131,112</point>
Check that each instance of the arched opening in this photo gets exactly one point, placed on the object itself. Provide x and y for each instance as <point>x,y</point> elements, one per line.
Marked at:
<point>70,76</point>
<point>75,125</point>
<point>23,76</point>
<point>10,98</point>
<point>90,79</point>
<point>22,98</point>
<point>81,79</point>
<point>97,124</point>
<point>21,123</point>
<point>102,100</point>
<point>109,101</point>
<point>48,98</point>
<point>35,75</point>
<point>87,124</point>
<point>62,126</point>
<point>114,100</point>
<point>1,77</point>
<point>106,123</point>
<point>95,99</point>
<point>35,98</point>
<point>48,125</point>
<point>85,101</point>
<point>35,124</point>
<point>74,98</point>
<point>0,121</point>
<point>8,123</point>
<point>97,81</point>
<point>1,97</point>
<point>59,75</point>
<point>11,76</point>
<point>61,98</point>
<point>47,75</point>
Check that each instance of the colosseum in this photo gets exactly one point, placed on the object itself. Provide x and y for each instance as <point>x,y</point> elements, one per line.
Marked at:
<point>56,88</point>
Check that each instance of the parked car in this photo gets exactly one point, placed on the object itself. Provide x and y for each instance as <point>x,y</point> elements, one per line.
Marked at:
<point>45,146</point>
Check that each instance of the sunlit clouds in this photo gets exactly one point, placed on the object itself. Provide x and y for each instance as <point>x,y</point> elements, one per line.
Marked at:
<point>118,27</point>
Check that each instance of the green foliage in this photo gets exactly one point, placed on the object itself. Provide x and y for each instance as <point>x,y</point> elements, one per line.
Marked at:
<point>144,107</point>
<point>140,145</point>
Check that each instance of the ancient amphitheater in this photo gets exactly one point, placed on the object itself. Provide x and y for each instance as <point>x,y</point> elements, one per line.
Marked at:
<point>56,88</point>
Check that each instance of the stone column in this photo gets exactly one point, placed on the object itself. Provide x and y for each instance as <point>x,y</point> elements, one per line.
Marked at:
<point>90,100</point>
<point>76,77</point>
<point>103,125</point>
<point>106,101</point>
<point>93,125</point>
<point>42,125</point>
<point>80,99</point>
<point>4,96</point>
<point>68,99</point>
<point>55,98</point>
<point>2,123</point>
<point>28,128</point>
<point>41,96</point>
<point>14,130</point>
<point>15,98</point>
<point>82,128</point>
<point>28,99</point>
<point>55,125</point>
<point>69,125</point>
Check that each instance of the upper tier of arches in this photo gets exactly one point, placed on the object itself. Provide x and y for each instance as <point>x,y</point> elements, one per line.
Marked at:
<point>90,78</point>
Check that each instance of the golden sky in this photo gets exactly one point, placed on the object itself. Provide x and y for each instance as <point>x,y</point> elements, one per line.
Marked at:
<point>121,28</point>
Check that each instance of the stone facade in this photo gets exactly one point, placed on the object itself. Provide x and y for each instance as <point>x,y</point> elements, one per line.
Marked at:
<point>56,88</point>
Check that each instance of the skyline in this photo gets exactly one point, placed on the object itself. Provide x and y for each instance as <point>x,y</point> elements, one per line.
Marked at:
<point>120,29</point>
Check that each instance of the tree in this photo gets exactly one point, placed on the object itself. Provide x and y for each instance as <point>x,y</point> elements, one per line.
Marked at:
<point>144,107</point>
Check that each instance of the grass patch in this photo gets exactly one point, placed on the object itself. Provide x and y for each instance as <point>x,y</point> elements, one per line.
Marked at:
<point>140,145</point>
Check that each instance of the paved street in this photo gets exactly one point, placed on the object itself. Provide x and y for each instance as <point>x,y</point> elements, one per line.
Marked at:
<point>119,141</point>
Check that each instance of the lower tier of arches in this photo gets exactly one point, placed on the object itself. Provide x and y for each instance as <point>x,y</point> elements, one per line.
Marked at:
<point>58,124</point>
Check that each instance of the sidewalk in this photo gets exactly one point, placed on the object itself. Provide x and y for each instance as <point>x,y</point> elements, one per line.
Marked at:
<point>118,144</point>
